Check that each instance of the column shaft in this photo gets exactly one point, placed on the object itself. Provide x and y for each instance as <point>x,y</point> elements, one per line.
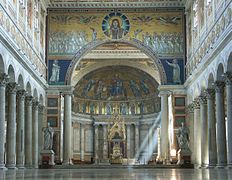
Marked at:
<point>197,133</point>
<point>82,142</point>
<point>28,132</point>
<point>137,141</point>
<point>221,129</point>
<point>11,127</point>
<point>229,116</point>
<point>204,133</point>
<point>67,129</point>
<point>212,145</point>
<point>105,146</point>
<point>128,141</point>
<point>96,142</point>
<point>35,153</point>
<point>3,79</point>
<point>40,130</point>
<point>20,129</point>
<point>190,119</point>
<point>164,127</point>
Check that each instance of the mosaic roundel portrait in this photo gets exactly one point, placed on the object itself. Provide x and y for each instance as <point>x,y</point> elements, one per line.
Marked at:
<point>115,25</point>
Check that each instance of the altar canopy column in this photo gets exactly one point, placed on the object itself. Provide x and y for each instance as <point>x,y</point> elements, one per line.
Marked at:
<point>221,128</point>
<point>82,142</point>
<point>105,146</point>
<point>164,138</point>
<point>197,133</point>
<point>228,77</point>
<point>20,129</point>
<point>204,132</point>
<point>128,140</point>
<point>11,127</point>
<point>96,142</point>
<point>3,81</point>
<point>67,129</point>
<point>35,146</point>
<point>28,132</point>
<point>212,145</point>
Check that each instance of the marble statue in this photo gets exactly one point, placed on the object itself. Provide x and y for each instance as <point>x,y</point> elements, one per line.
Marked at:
<point>48,137</point>
<point>176,71</point>
<point>55,72</point>
<point>183,137</point>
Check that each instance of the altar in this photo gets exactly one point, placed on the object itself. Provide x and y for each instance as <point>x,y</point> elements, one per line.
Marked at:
<point>117,140</point>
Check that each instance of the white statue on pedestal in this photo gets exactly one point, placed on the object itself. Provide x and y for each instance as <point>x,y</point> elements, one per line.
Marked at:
<point>48,137</point>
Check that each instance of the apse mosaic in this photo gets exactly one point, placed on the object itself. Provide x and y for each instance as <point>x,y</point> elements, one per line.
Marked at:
<point>160,30</point>
<point>116,83</point>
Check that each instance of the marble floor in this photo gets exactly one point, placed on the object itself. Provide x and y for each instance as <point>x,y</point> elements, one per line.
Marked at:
<point>116,174</point>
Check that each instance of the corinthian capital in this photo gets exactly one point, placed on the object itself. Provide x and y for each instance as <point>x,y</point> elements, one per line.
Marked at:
<point>12,87</point>
<point>210,93</point>
<point>196,103</point>
<point>21,94</point>
<point>219,86</point>
<point>228,78</point>
<point>3,79</point>
<point>29,100</point>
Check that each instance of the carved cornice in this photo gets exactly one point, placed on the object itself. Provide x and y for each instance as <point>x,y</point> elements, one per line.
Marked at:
<point>228,78</point>
<point>3,79</point>
<point>196,103</point>
<point>12,87</point>
<point>219,86</point>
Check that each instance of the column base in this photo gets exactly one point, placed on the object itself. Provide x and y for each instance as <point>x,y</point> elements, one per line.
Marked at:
<point>20,166</point>
<point>221,166</point>
<point>3,168</point>
<point>229,166</point>
<point>11,166</point>
<point>211,166</point>
<point>197,166</point>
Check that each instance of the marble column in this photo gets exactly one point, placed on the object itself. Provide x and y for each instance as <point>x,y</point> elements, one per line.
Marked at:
<point>11,127</point>
<point>190,122</point>
<point>204,132</point>
<point>28,132</point>
<point>82,142</point>
<point>197,133</point>
<point>228,78</point>
<point>212,145</point>
<point>221,128</point>
<point>3,81</point>
<point>67,129</point>
<point>40,130</point>
<point>128,145</point>
<point>105,146</point>
<point>20,134</point>
<point>35,153</point>
<point>137,139</point>
<point>96,144</point>
<point>164,141</point>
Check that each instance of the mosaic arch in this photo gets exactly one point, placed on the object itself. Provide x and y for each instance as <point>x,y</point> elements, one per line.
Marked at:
<point>133,42</point>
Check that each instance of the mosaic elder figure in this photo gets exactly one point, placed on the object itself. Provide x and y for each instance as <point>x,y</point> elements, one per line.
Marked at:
<point>55,72</point>
<point>48,137</point>
<point>176,71</point>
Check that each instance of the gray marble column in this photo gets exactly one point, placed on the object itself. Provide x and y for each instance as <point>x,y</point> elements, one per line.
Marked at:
<point>190,122</point>
<point>20,134</point>
<point>40,130</point>
<point>3,81</point>
<point>67,129</point>
<point>212,145</point>
<point>82,142</point>
<point>204,131</point>
<point>164,138</point>
<point>137,139</point>
<point>197,133</point>
<point>11,127</point>
<point>35,153</point>
<point>128,145</point>
<point>228,78</point>
<point>96,143</point>
<point>221,128</point>
<point>28,132</point>
<point>105,146</point>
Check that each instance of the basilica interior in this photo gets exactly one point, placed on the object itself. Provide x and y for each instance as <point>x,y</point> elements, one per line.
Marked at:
<point>112,82</point>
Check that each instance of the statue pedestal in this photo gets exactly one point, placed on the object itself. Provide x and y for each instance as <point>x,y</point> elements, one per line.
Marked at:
<point>47,158</point>
<point>184,157</point>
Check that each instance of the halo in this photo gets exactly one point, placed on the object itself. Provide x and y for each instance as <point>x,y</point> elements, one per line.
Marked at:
<point>115,17</point>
